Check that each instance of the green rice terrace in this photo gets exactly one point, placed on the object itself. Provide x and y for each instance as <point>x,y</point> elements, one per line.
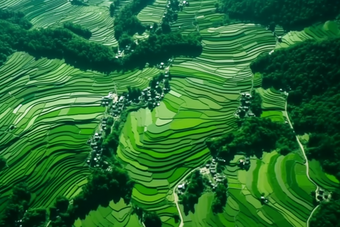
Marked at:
<point>205,131</point>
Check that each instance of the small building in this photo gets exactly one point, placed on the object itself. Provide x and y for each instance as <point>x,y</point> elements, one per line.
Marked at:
<point>181,186</point>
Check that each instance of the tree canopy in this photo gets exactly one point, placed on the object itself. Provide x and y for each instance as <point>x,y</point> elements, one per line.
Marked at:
<point>61,43</point>
<point>311,71</point>
<point>255,136</point>
<point>2,163</point>
<point>328,213</point>
<point>79,30</point>
<point>220,198</point>
<point>290,14</point>
<point>102,187</point>
<point>193,191</point>
<point>151,219</point>
<point>18,210</point>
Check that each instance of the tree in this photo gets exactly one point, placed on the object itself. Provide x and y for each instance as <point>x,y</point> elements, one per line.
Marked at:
<point>17,205</point>
<point>255,104</point>
<point>309,71</point>
<point>151,219</point>
<point>34,217</point>
<point>2,163</point>
<point>78,29</point>
<point>328,213</point>
<point>125,40</point>
<point>287,13</point>
<point>62,204</point>
<point>111,143</point>
<point>112,9</point>
<point>220,198</point>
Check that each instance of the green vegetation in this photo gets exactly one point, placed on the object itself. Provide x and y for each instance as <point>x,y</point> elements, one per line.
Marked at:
<point>290,14</point>
<point>255,136</point>
<point>220,198</point>
<point>18,209</point>
<point>151,219</point>
<point>62,44</point>
<point>79,30</point>
<point>328,213</point>
<point>193,191</point>
<point>2,163</point>
<point>311,70</point>
<point>102,187</point>
<point>126,21</point>
<point>161,47</point>
<point>256,103</point>
<point>50,109</point>
<point>15,18</point>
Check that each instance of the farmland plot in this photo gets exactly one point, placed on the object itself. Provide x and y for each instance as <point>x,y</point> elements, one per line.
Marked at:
<point>281,179</point>
<point>161,146</point>
<point>48,111</point>
<point>48,13</point>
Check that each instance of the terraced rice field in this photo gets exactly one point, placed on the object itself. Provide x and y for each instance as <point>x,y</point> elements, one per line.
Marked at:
<point>54,109</point>
<point>200,13</point>
<point>273,102</point>
<point>330,29</point>
<point>283,181</point>
<point>50,102</point>
<point>153,13</point>
<point>159,147</point>
<point>54,12</point>
<point>116,214</point>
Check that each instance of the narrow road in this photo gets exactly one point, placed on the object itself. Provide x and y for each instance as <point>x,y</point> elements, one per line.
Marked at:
<point>306,162</point>
<point>176,196</point>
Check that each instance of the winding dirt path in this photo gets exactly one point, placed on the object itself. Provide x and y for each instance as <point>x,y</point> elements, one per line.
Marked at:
<point>176,196</point>
<point>306,163</point>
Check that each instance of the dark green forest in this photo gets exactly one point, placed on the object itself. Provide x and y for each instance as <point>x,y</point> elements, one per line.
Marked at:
<point>62,43</point>
<point>79,30</point>
<point>311,72</point>
<point>255,136</point>
<point>328,213</point>
<point>290,14</point>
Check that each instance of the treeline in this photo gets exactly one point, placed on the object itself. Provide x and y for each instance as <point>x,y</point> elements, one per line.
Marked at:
<point>291,14</point>
<point>79,30</point>
<point>328,213</point>
<point>126,22</point>
<point>256,103</point>
<point>255,136</point>
<point>18,212</point>
<point>220,197</point>
<point>102,187</point>
<point>161,47</point>
<point>311,70</point>
<point>3,163</point>
<point>193,192</point>
<point>15,18</point>
<point>56,43</point>
<point>62,44</point>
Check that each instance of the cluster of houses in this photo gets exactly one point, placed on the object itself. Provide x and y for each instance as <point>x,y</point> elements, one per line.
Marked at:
<point>151,96</point>
<point>119,104</point>
<point>94,159</point>
<point>95,156</point>
<point>217,177</point>
<point>244,109</point>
